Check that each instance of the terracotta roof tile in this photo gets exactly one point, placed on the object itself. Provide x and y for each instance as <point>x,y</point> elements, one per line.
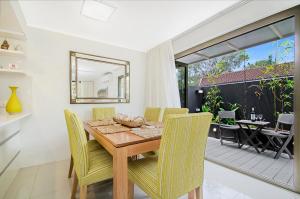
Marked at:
<point>240,76</point>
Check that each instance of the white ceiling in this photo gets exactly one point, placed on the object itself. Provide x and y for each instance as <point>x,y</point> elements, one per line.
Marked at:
<point>138,25</point>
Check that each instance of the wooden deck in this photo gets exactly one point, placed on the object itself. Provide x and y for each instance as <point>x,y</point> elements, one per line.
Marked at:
<point>246,160</point>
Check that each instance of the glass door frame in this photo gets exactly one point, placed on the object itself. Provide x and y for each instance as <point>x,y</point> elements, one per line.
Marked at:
<point>292,12</point>
<point>185,66</point>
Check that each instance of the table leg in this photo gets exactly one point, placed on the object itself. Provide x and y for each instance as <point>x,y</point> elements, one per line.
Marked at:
<point>120,181</point>
<point>249,138</point>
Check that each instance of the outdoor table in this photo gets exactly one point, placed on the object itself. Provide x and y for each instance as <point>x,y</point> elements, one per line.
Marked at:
<point>253,132</point>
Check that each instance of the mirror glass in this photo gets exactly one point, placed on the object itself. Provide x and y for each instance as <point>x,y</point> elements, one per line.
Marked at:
<point>96,79</point>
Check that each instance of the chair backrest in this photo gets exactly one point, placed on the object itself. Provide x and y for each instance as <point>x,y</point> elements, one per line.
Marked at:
<point>69,126</point>
<point>79,146</point>
<point>226,114</point>
<point>181,154</point>
<point>169,111</point>
<point>152,114</point>
<point>103,113</point>
<point>285,118</point>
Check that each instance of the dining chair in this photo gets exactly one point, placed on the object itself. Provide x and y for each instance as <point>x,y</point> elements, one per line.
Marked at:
<point>169,111</point>
<point>103,113</point>
<point>179,167</point>
<point>92,144</point>
<point>229,128</point>
<point>90,166</point>
<point>152,114</point>
<point>279,138</point>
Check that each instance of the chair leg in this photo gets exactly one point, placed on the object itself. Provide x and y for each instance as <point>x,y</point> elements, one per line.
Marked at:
<point>266,146</point>
<point>199,193</point>
<point>130,190</point>
<point>221,138</point>
<point>237,138</point>
<point>282,148</point>
<point>83,192</point>
<point>74,188</point>
<point>196,194</point>
<point>71,167</point>
<point>191,194</point>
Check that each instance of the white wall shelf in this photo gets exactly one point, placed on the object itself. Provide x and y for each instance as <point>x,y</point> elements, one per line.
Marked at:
<point>8,71</point>
<point>12,34</point>
<point>13,53</point>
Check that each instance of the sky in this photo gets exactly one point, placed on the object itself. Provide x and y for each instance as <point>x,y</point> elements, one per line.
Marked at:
<point>262,52</point>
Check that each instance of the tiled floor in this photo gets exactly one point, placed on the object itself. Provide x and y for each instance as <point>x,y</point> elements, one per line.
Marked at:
<point>50,181</point>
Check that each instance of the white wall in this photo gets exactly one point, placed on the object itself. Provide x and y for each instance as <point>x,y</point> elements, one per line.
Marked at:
<point>239,17</point>
<point>44,137</point>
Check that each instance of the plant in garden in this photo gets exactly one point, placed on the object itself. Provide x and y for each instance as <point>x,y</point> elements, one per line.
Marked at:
<point>280,87</point>
<point>278,82</point>
<point>213,101</point>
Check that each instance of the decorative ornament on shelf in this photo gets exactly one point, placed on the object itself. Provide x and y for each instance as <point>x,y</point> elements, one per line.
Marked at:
<point>13,105</point>
<point>12,66</point>
<point>5,45</point>
<point>18,47</point>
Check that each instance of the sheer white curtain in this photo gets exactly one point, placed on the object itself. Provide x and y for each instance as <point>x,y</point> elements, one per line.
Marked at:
<point>161,81</point>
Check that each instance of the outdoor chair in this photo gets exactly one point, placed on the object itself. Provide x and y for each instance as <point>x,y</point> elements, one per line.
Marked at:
<point>279,138</point>
<point>228,115</point>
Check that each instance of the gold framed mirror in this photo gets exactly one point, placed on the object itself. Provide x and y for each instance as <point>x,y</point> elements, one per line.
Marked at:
<point>98,80</point>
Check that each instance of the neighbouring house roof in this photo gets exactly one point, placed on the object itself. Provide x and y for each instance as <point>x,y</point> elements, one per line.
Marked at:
<point>244,75</point>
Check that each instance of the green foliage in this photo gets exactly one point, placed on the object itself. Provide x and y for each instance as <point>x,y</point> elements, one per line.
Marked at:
<point>205,108</point>
<point>212,68</point>
<point>213,101</point>
<point>279,83</point>
<point>262,63</point>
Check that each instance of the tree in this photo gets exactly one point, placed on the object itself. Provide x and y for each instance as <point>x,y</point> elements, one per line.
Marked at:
<point>216,66</point>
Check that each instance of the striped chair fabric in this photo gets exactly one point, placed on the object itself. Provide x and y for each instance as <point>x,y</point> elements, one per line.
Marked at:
<point>152,114</point>
<point>90,166</point>
<point>103,113</point>
<point>169,111</point>
<point>180,163</point>
<point>92,144</point>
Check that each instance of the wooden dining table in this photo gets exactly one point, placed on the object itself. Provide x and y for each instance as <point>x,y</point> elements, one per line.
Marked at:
<point>121,146</point>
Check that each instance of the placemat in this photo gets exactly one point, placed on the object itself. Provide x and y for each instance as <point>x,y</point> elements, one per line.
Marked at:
<point>101,122</point>
<point>155,124</point>
<point>148,132</point>
<point>112,129</point>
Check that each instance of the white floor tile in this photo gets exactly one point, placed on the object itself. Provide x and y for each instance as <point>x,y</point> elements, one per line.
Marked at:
<point>22,185</point>
<point>50,181</point>
<point>51,178</point>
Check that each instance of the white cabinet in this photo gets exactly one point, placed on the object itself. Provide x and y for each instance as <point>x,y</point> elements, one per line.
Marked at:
<point>10,148</point>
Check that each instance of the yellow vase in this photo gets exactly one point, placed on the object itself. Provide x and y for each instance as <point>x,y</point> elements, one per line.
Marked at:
<point>13,105</point>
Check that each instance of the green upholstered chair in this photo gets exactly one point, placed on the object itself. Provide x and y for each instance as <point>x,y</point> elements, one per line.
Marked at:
<point>103,113</point>
<point>169,111</point>
<point>92,144</point>
<point>179,167</point>
<point>90,166</point>
<point>152,114</point>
